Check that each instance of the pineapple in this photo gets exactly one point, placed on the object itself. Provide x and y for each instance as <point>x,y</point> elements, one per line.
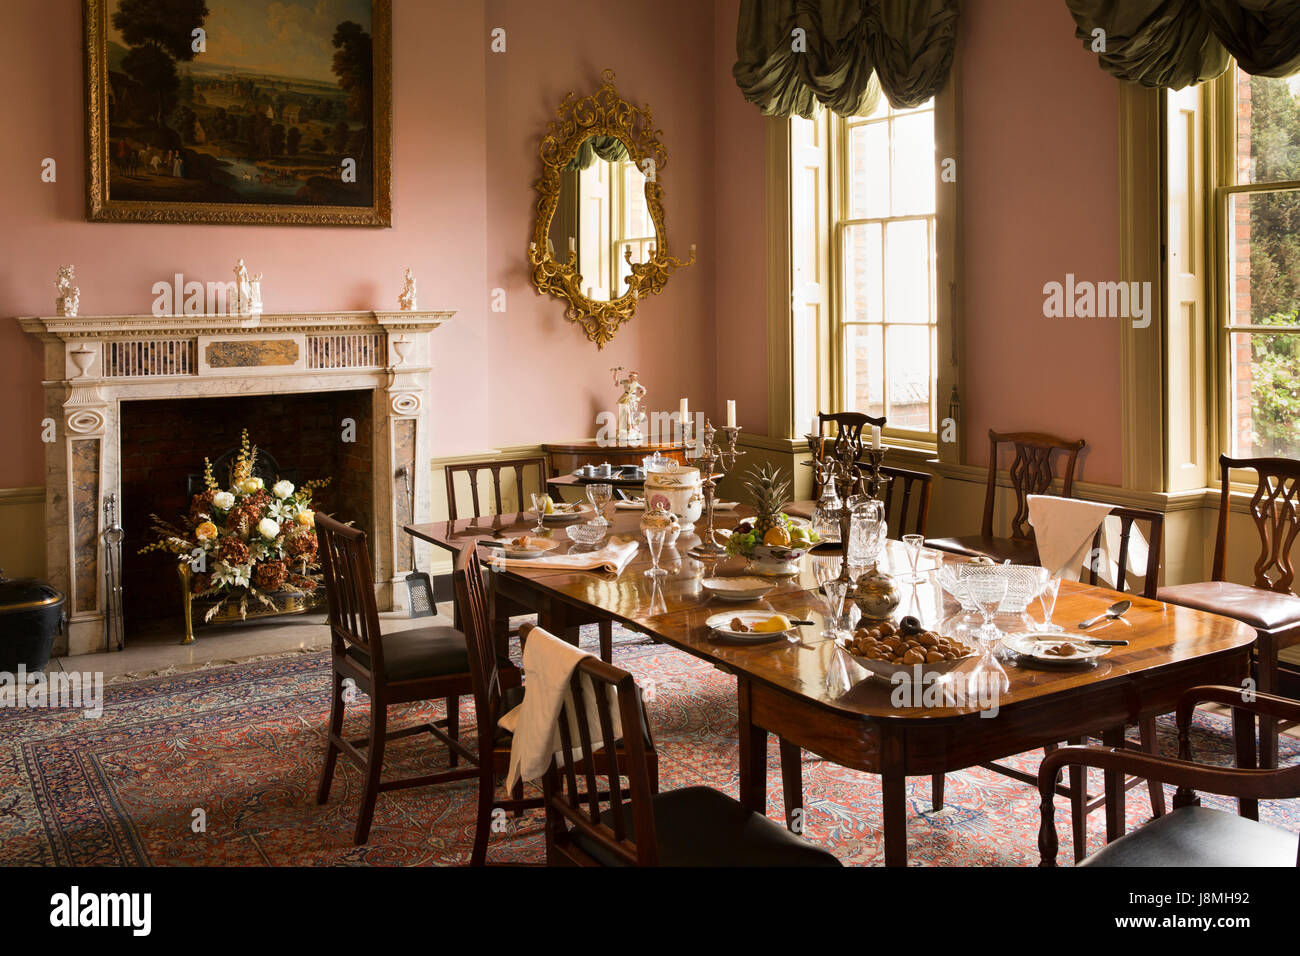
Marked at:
<point>769,489</point>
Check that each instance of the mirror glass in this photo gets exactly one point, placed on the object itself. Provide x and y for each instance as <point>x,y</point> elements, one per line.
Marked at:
<point>602,214</point>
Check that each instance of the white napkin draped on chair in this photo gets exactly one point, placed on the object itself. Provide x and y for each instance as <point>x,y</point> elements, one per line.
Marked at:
<point>548,669</point>
<point>613,558</point>
<point>1064,529</point>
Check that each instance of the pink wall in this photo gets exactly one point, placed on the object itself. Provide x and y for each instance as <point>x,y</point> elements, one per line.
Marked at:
<point>467,125</point>
<point>661,55</point>
<point>1040,194</point>
<point>1039,181</point>
<point>739,181</point>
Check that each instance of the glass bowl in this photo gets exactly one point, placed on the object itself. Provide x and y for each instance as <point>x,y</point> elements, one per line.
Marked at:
<point>589,532</point>
<point>1024,583</point>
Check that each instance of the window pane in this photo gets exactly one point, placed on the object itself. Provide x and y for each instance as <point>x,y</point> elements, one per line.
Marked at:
<point>1268,128</point>
<point>1265,394</point>
<point>869,171</point>
<point>864,369</point>
<point>913,179</point>
<point>908,359</point>
<point>907,271</point>
<point>1264,258</point>
<point>863,275</point>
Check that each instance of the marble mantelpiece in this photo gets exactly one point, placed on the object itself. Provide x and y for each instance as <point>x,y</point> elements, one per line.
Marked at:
<point>94,363</point>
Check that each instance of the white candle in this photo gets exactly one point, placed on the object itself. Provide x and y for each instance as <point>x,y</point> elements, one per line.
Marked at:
<point>731,413</point>
<point>875,436</point>
<point>573,244</point>
<point>815,427</point>
<point>685,411</point>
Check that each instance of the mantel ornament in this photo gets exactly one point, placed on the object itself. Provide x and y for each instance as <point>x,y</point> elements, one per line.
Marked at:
<point>67,296</point>
<point>601,118</point>
<point>406,299</point>
<point>248,291</point>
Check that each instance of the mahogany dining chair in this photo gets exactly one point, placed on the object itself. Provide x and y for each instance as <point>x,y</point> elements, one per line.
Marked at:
<point>404,667</point>
<point>1192,835</point>
<point>1032,473</point>
<point>693,826</point>
<point>1269,604</point>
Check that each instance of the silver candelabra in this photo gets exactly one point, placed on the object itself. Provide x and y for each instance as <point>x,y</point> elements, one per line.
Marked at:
<point>715,462</point>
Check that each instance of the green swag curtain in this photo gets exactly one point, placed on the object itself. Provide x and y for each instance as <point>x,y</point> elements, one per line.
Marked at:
<point>1176,43</point>
<point>608,148</point>
<point>850,52</point>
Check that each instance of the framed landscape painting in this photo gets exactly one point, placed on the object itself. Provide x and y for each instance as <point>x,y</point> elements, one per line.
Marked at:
<point>239,111</point>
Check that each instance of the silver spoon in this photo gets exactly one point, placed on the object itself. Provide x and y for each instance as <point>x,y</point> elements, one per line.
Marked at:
<point>1112,612</point>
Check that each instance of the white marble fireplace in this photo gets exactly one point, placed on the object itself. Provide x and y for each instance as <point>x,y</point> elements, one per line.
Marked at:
<point>94,363</point>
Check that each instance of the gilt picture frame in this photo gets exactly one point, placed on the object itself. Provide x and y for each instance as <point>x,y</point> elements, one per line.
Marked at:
<point>222,112</point>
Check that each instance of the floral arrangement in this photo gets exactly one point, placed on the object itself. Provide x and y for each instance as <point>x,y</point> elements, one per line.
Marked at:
<point>245,541</point>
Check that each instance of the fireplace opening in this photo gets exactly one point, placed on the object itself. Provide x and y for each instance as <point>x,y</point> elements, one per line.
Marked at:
<point>163,444</point>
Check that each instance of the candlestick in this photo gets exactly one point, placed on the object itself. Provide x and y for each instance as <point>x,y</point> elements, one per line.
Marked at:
<point>714,462</point>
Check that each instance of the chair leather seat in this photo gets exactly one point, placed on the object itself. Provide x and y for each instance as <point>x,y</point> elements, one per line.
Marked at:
<point>1263,610</point>
<point>978,545</point>
<point>699,826</point>
<point>1199,836</point>
<point>419,653</point>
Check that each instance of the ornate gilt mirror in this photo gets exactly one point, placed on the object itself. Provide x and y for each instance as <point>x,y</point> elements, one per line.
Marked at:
<point>600,242</point>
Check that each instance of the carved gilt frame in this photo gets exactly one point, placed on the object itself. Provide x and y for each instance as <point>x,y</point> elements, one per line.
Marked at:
<point>603,113</point>
<point>100,207</point>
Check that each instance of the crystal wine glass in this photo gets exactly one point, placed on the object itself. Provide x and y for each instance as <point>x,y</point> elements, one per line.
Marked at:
<point>654,538</point>
<point>914,543</point>
<point>831,592</point>
<point>539,505</point>
<point>1047,598</point>
<point>986,588</point>
<point>599,494</point>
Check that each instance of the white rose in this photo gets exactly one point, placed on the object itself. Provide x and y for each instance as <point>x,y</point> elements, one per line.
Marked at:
<point>268,529</point>
<point>282,489</point>
<point>223,500</point>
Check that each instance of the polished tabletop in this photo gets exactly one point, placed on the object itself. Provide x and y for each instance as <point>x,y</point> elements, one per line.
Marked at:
<point>674,608</point>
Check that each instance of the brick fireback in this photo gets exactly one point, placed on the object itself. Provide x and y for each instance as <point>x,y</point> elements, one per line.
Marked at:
<point>165,441</point>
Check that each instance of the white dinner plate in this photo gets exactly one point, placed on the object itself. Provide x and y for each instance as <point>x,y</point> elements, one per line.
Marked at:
<point>737,588</point>
<point>720,624</point>
<point>1035,646</point>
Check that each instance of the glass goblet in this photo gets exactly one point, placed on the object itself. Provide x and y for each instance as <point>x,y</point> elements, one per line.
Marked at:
<point>914,543</point>
<point>599,494</point>
<point>540,498</point>
<point>1047,598</point>
<point>987,589</point>
<point>654,539</point>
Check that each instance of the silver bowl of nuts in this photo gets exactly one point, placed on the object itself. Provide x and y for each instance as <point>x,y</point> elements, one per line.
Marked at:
<point>907,648</point>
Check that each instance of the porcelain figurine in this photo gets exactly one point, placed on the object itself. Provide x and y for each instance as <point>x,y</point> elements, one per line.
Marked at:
<point>248,291</point>
<point>406,301</point>
<point>631,408</point>
<point>68,296</point>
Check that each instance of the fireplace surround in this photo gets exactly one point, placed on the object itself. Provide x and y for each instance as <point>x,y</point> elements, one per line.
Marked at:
<point>92,364</point>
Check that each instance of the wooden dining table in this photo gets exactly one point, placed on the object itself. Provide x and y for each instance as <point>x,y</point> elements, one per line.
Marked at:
<point>814,696</point>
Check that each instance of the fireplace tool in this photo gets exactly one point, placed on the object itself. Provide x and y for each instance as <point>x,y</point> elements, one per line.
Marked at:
<point>419,587</point>
<point>112,537</point>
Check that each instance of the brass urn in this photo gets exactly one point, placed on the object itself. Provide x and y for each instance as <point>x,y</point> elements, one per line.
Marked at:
<point>876,595</point>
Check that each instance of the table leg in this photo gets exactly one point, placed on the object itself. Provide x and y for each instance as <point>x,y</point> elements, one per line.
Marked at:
<point>893,786</point>
<point>792,784</point>
<point>1114,788</point>
<point>753,753</point>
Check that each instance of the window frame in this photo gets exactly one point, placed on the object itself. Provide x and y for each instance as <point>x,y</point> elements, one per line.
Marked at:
<point>1221,187</point>
<point>827,383</point>
<point>840,220</point>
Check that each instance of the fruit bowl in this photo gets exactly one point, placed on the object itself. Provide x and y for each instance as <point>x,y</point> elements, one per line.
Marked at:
<point>775,560</point>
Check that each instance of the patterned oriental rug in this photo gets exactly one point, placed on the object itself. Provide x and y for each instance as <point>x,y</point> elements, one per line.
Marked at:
<point>239,748</point>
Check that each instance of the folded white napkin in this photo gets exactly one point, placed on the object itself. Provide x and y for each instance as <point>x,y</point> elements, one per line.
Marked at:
<point>613,557</point>
<point>1063,530</point>
<point>548,668</point>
